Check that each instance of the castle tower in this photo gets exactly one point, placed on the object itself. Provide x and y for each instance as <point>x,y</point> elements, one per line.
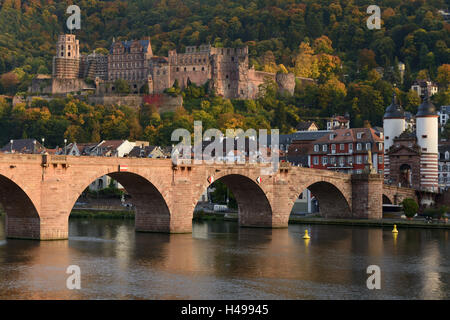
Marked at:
<point>393,124</point>
<point>66,63</point>
<point>427,139</point>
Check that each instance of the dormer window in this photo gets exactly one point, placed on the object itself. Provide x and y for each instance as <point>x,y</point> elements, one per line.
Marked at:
<point>332,136</point>
<point>358,146</point>
<point>359,135</point>
<point>316,148</point>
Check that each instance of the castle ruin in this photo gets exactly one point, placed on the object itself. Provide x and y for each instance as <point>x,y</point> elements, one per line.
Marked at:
<point>226,69</point>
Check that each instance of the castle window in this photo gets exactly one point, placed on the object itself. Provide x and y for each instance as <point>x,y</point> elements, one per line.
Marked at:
<point>229,86</point>
<point>178,69</point>
<point>62,48</point>
<point>184,69</point>
<point>203,68</point>
<point>424,149</point>
<point>69,46</point>
<point>193,69</point>
<point>68,54</point>
<point>226,76</point>
<point>424,136</point>
<point>62,54</point>
<point>232,58</point>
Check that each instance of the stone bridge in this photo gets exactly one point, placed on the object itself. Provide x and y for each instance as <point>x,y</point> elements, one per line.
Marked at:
<point>38,192</point>
<point>395,195</point>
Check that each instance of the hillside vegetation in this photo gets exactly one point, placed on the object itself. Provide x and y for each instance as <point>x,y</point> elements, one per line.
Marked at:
<point>327,40</point>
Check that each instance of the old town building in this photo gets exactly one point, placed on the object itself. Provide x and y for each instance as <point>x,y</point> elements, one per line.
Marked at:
<point>349,151</point>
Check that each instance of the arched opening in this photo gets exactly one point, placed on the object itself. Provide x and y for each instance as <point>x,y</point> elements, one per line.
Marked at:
<point>239,196</point>
<point>21,217</point>
<point>323,198</point>
<point>386,200</point>
<point>405,175</point>
<point>129,191</point>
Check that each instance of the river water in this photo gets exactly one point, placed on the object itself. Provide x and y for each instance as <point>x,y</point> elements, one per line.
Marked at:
<point>219,260</point>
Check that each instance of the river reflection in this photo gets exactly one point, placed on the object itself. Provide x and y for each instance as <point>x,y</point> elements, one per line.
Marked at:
<point>219,260</point>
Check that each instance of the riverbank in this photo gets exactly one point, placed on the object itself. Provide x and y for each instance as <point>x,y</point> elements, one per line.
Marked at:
<point>101,214</point>
<point>402,223</point>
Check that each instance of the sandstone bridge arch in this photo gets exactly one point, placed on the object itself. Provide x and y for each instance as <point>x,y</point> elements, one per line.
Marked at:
<point>165,194</point>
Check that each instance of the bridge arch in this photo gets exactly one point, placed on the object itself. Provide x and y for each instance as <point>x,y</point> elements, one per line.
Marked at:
<point>386,199</point>
<point>334,195</point>
<point>152,213</point>
<point>254,208</point>
<point>22,217</point>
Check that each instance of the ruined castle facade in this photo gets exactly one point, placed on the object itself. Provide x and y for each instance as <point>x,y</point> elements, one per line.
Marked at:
<point>226,69</point>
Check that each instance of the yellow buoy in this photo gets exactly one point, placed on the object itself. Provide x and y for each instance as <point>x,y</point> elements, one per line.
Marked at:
<point>395,229</point>
<point>306,236</point>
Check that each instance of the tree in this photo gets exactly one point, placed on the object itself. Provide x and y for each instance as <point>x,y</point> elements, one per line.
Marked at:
<point>122,86</point>
<point>443,76</point>
<point>410,207</point>
<point>9,81</point>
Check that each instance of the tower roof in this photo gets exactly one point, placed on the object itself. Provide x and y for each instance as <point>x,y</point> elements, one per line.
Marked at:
<point>426,108</point>
<point>394,110</point>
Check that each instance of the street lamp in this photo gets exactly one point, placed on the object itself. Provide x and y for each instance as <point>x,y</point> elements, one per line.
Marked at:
<point>43,140</point>
<point>11,142</point>
<point>65,146</point>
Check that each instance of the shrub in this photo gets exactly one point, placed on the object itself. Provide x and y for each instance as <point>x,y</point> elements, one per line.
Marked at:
<point>410,207</point>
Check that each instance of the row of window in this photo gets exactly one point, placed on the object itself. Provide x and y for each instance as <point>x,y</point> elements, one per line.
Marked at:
<point>343,160</point>
<point>444,168</point>
<point>359,147</point>
<point>128,64</point>
<point>193,69</point>
<point>190,60</point>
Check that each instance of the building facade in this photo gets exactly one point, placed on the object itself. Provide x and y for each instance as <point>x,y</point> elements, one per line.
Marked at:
<point>411,157</point>
<point>349,151</point>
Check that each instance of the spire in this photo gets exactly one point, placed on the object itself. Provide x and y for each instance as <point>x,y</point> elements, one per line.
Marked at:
<point>426,108</point>
<point>394,110</point>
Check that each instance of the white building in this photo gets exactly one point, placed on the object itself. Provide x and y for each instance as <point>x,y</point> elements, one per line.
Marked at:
<point>422,87</point>
<point>444,115</point>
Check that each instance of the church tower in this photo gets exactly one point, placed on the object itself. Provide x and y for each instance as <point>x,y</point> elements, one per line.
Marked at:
<point>394,124</point>
<point>427,139</point>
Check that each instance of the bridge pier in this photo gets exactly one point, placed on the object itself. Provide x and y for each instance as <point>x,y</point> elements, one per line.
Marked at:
<point>367,196</point>
<point>34,228</point>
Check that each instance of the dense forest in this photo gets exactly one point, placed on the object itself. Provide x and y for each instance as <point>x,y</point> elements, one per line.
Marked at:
<point>328,40</point>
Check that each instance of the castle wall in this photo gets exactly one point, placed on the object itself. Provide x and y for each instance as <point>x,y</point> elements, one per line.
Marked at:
<point>255,79</point>
<point>60,86</point>
<point>229,72</point>
<point>193,65</point>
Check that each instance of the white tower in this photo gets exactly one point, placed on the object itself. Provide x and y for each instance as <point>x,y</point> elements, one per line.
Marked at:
<point>427,139</point>
<point>393,125</point>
